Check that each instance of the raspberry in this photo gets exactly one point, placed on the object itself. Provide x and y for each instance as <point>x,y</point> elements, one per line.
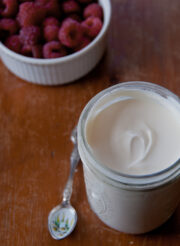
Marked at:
<point>52,7</point>
<point>84,42</point>
<point>70,6</point>
<point>53,49</point>
<point>9,25</point>
<point>22,1</point>
<point>51,32</point>
<point>13,43</point>
<point>51,29</point>
<point>92,26</point>
<point>75,17</point>
<point>84,1</point>
<point>11,8</point>
<point>70,33</point>
<point>32,51</point>
<point>37,51</point>
<point>30,35</point>
<point>93,9</point>
<point>51,21</point>
<point>26,50</point>
<point>30,14</point>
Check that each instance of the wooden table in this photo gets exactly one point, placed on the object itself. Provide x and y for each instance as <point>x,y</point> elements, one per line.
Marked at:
<point>36,122</point>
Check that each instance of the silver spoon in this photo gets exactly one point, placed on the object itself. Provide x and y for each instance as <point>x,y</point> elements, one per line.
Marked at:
<point>62,219</point>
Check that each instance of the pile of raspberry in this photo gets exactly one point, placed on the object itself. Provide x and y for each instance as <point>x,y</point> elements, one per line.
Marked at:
<point>49,28</point>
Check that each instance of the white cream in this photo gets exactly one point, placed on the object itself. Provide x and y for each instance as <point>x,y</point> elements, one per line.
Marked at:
<point>134,132</point>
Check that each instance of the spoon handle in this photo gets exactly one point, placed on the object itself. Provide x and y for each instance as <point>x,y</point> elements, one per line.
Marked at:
<point>74,159</point>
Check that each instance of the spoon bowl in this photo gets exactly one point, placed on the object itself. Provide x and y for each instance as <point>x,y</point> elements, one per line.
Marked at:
<point>62,221</point>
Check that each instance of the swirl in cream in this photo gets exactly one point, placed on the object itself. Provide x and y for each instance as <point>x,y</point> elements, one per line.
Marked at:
<point>139,144</point>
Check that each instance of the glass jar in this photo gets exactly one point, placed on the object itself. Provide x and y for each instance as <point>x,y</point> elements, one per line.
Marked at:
<point>129,203</point>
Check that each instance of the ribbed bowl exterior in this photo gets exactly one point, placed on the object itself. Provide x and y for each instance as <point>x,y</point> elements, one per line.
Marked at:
<point>54,74</point>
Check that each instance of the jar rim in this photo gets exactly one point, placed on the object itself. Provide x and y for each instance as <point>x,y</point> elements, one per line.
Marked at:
<point>128,179</point>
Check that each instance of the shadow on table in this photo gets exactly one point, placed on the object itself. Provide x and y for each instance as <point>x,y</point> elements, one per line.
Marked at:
<point>172,226</point>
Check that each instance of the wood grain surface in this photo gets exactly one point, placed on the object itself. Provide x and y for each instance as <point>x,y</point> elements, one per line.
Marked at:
<point>36,122</point>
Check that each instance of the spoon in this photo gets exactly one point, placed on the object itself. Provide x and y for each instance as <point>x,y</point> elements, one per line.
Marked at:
<point>62,219</point>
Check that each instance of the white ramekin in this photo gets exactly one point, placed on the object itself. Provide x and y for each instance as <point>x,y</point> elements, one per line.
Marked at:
<point>128,203</point>
<point>60,70</point>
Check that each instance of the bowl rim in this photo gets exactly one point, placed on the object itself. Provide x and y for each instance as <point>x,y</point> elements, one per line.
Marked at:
<point>106,4</point>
